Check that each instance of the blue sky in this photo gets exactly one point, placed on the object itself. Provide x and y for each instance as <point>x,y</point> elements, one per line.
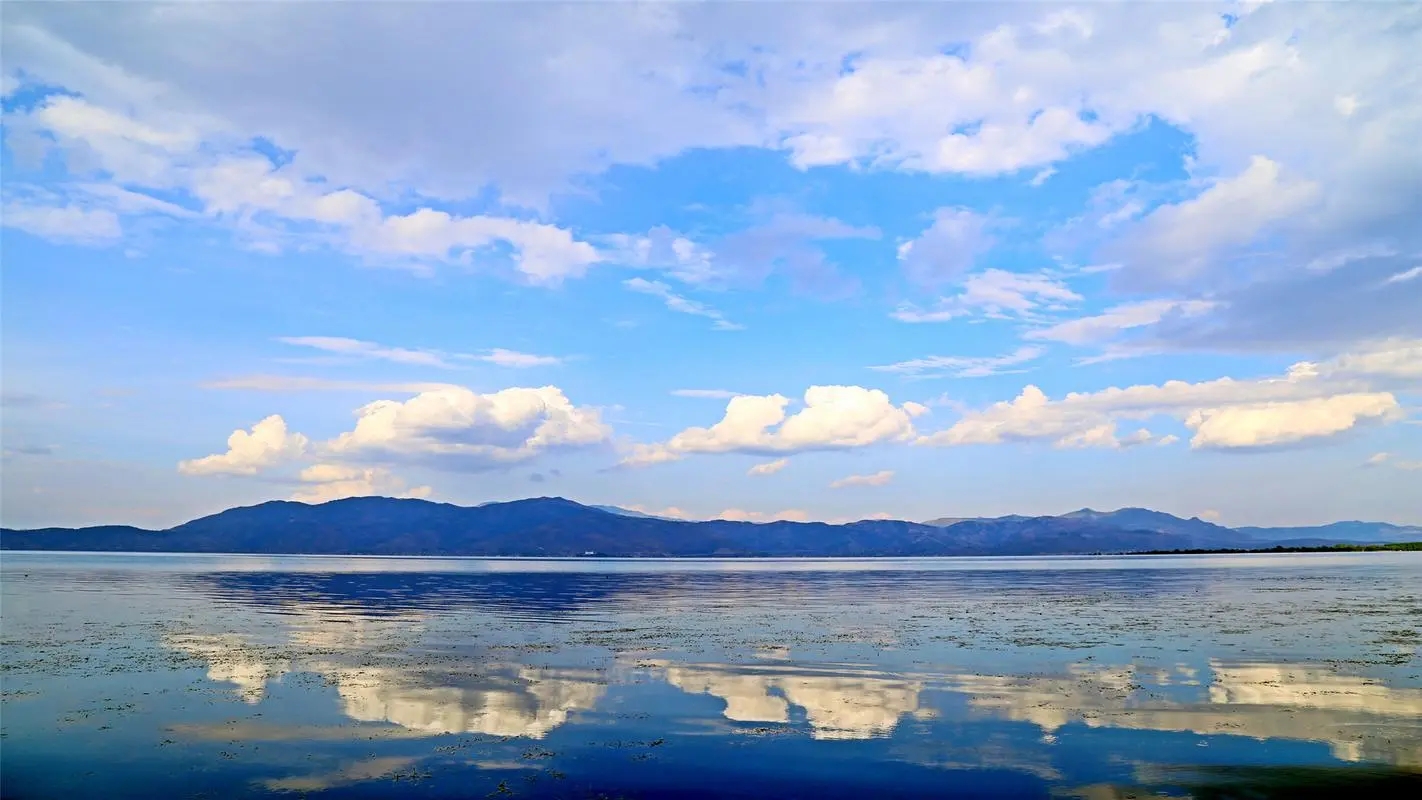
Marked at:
<point>804,261</point>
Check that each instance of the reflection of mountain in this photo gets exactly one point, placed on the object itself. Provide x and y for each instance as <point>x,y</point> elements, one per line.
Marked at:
<point>524,594</point>
<point>535,595</point>
<point>1358,719</point>
<point>837,705</point>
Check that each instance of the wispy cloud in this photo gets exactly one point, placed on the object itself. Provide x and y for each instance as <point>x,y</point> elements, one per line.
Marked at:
<point>962,366</point>
<point>769,468</point>
<point>298,383</point>
<point>680,304</point>
<point>517,360</point>
<point>705,394</point>
<point>1403,277</point>
<point>1114,320</point>
<point>875,479</point>
<point>357,348</point>
<point>1390,460</point>
<point>996,294</point>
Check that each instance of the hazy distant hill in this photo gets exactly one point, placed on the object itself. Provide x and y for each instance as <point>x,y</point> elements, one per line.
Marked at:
<point>626,512</point>
<point>1352,531</point>
<point>553,526</point>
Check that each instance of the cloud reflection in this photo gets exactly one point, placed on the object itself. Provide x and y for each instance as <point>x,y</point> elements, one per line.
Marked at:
<point>837,705</point>
<point>1359,719</point>
<point>529,702</point>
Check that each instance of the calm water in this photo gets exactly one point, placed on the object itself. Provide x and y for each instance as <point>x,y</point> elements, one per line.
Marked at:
<point>233,676</point>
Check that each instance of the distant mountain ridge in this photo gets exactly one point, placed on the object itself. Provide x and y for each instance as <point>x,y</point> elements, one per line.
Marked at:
<point>554,526</point>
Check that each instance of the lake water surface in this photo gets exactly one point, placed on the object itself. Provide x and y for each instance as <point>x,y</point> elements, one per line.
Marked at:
<point>236,676</point>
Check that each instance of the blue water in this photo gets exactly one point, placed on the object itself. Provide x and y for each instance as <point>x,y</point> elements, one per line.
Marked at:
<point>237,676</point>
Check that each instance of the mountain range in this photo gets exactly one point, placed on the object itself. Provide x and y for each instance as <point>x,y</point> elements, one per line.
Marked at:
<point>553,526</point>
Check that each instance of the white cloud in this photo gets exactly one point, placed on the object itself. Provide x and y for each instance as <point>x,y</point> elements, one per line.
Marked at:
<point>911,313</point>
<point>879,478</point>
<point>669,512</point>
<point>741,515</point>
<point>1042,176</point>
<point>1388,459</point>
<point>1178,241</point>
<point>782,240</point>
<point>233,184</point>
<point>996,294</point>
<point>300,383</point>
<point>947,248</point>
<point>64,223</point>
<point>1311,401</point>
<point>1108,324</point>
<point>450,427</point>
<point>705,394</point>
<point>769,468</point>
<point>362,349</point>
<point>665,249</point>
<point>962,366</point>
<point>1339,258</point>
<point>266,445</point>
<point>358,348</point>
<point>680,304</point>
<point>1405,275</point>
<point>1264,424</point>
<point>934,113</point>
<point>461,429</point>
<point>545,254</point>
<point>834,417</point>
<point>326,482</point>
<point>1324,96</point>
<point>515,359</point>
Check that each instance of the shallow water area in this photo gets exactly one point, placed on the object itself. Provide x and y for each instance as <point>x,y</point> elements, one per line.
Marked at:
<point>237,676</point>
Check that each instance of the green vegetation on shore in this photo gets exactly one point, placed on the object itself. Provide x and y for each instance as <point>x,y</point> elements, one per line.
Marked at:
<point>1330,548</point>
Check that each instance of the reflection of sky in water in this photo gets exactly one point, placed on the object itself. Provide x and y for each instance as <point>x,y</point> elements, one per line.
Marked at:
<point>309,675</point>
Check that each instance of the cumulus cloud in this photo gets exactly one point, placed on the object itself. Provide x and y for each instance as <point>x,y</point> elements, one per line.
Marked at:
<point>1311,401</point>
<point>1263,424</point>
<point>458,428</point>
<point>449,427</point>
<point>833,417</point>
<point>963,366</point>
<point>267,444</point>
<point>769,468</point>
<point>681,304</point>
<point>879,478</point>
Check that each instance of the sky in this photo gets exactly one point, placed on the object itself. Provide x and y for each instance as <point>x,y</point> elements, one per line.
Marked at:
<point>821,261</point>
